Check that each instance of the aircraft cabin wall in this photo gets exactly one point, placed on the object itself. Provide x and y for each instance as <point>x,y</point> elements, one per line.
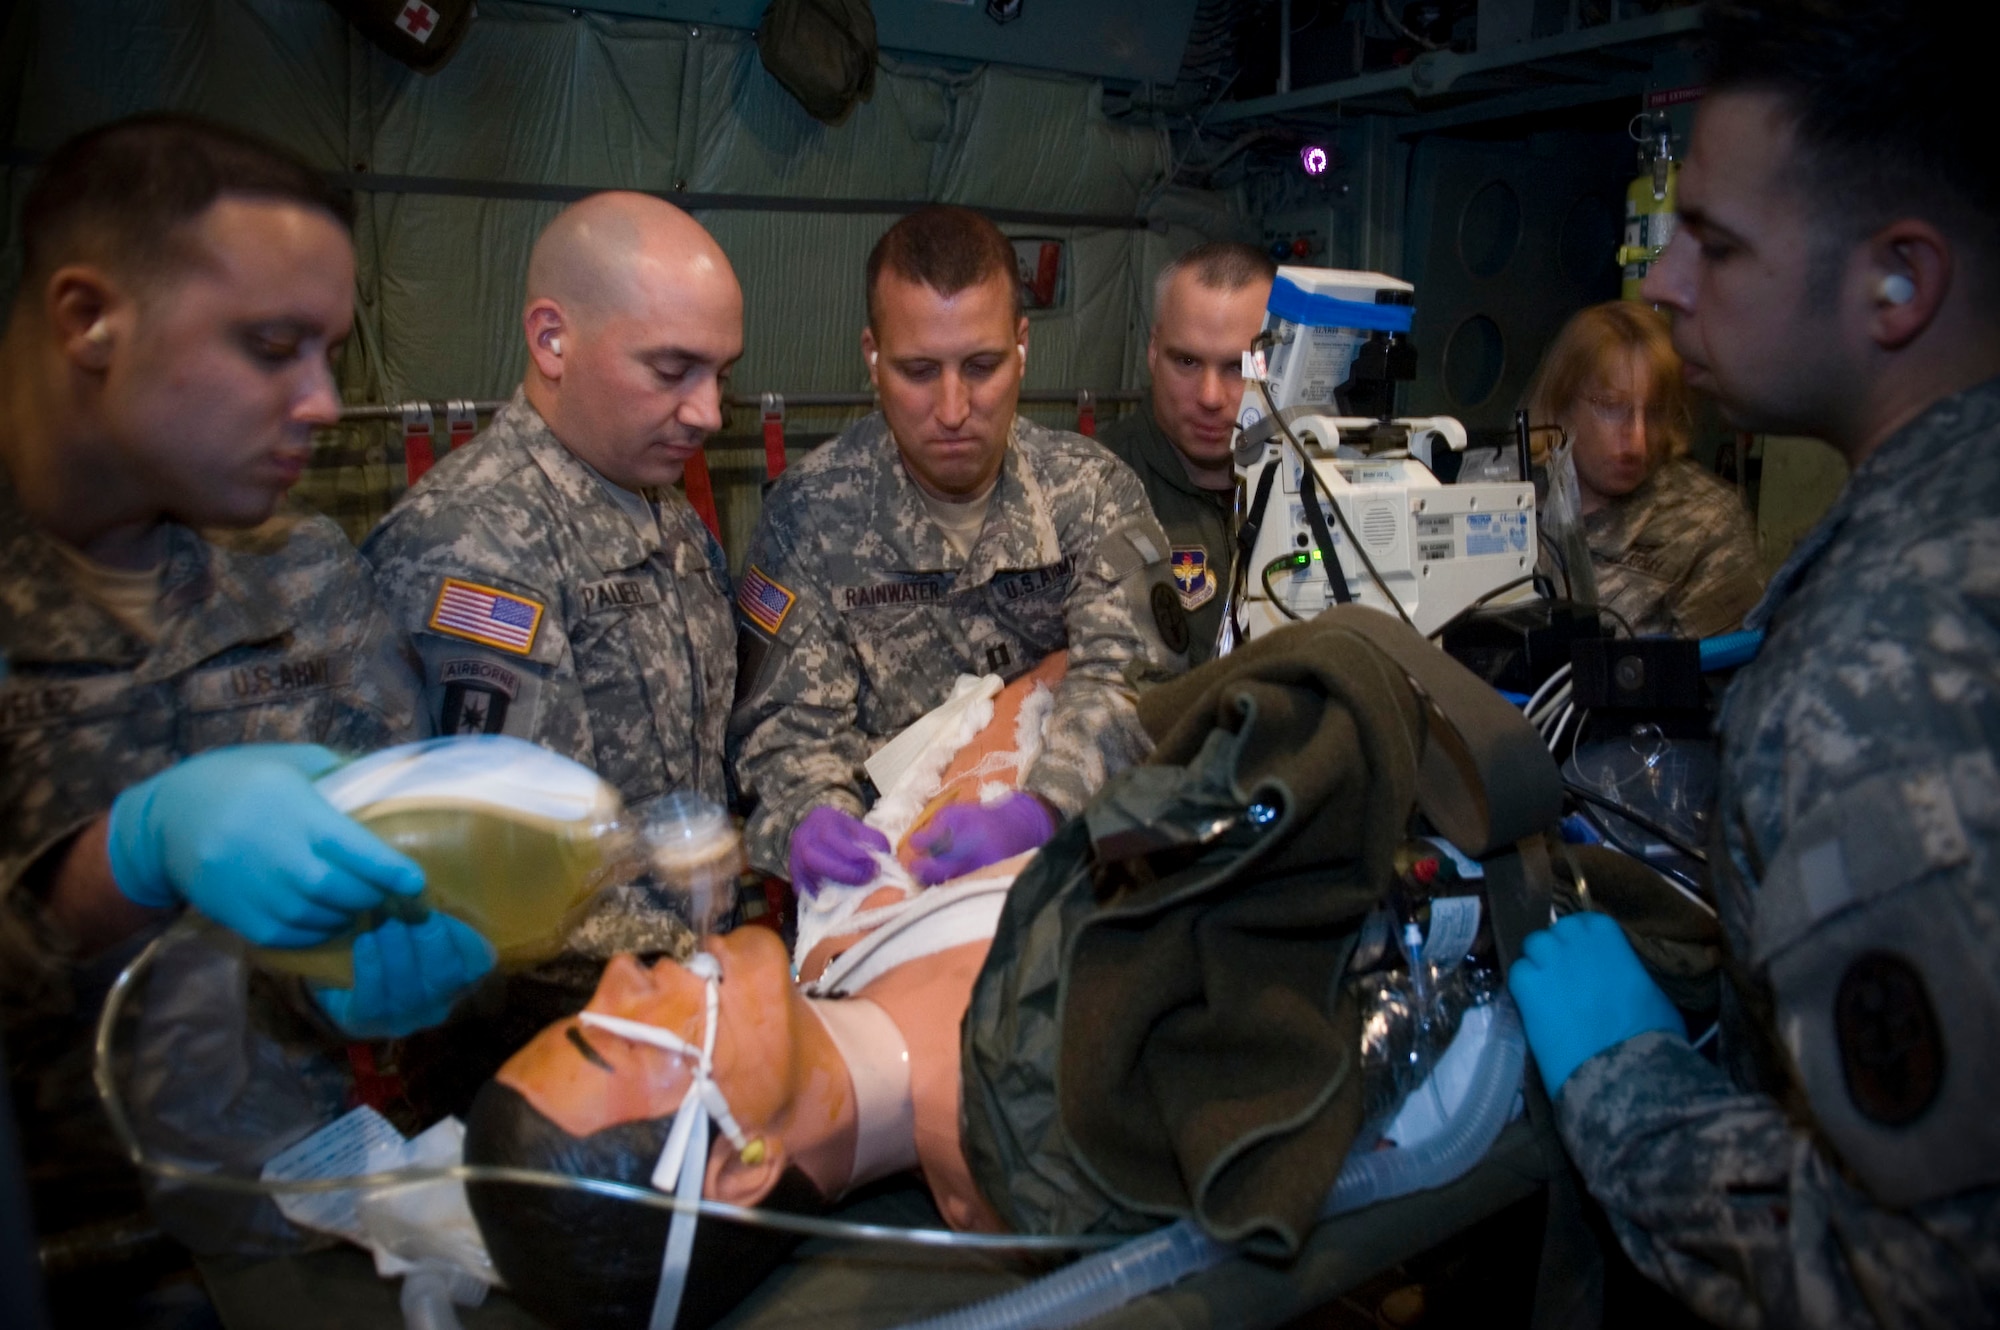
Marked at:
<point>1496,187</point>
<point>455,172</point>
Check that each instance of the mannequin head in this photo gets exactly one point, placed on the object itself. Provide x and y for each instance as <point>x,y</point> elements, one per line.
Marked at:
<point>773,1060</point>
<point>580,1101</point>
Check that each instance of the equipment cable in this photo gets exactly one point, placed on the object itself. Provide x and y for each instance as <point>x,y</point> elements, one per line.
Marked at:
<point>1265,577</point>
<point>1460,617</point>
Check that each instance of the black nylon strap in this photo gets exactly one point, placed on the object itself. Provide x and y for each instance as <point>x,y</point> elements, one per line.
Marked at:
<point>1253,521</point>
<point>1329,560</point>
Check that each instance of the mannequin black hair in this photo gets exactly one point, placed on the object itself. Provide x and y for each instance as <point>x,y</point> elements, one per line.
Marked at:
<point>585,1262</point>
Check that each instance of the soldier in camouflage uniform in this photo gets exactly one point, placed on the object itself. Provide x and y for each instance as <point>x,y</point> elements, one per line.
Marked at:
<point>1208,307</point>
<point>1841,1166</point>
<point>556,584</point>
<point>1676,555</point>
<point>1670,547</point>
<point>149,611</point>
<point>859,607</point>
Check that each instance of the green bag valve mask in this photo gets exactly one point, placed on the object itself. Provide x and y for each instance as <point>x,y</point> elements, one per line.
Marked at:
<point>513,839</point>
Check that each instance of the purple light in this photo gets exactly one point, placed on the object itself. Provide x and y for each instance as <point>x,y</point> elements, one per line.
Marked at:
<point>1313,159</point>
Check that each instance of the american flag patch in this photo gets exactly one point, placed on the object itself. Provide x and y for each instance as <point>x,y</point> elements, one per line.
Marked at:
<point>763,602</point>
<point>487,615</point>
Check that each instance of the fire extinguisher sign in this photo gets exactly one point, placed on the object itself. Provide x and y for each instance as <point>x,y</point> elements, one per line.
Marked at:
<point>1660,99</point>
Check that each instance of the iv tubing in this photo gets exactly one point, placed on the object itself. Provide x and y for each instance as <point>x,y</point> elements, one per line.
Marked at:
<point>1098,1284</point>
<point>396,1179</point>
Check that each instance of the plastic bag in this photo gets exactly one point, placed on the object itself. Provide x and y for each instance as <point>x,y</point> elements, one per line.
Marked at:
<point>216,1078</point>
<point>1431,951</point>
<point>1562,523</point>
<point>1669,781</point>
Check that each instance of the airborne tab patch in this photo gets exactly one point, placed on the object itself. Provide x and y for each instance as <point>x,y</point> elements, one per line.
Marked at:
<point>486,615</point>
<point>764,602</point>
<point>477,694</point>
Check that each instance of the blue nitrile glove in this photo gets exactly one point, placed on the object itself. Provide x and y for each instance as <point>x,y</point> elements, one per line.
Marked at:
<point>832,846</point>
<point>406,977</point>
<point>241,835</point>
<point>1581,990</point>
<point>968,836</point>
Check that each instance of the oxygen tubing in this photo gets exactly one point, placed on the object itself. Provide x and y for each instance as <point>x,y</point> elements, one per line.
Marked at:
<point>1092,1286</point>
<point>1097,1284</point>
<point>1380,1175</point>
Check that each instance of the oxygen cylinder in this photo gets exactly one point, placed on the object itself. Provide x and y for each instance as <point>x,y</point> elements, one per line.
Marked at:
<point>1650,208</point>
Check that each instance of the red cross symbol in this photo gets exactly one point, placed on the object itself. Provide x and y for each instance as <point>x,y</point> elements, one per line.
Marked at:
<point>418,20</point>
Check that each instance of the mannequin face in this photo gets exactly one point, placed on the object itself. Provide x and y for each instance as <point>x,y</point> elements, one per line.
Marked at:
<point>1615,427</point>
<point>783,1078</point>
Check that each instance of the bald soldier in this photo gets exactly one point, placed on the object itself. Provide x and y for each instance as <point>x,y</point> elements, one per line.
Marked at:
<point>555,583</point>
<point>1208,306</point>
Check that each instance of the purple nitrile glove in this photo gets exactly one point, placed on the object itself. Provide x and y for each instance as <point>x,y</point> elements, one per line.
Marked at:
<point>1581,990</point>
<point>832,846</point>
<point>968,836</point>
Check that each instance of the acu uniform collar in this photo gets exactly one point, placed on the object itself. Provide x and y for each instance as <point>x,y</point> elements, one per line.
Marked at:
<point>1018,532</point>
<point>603,528</point>
<point>1914,453</point>
<point>212,598</point>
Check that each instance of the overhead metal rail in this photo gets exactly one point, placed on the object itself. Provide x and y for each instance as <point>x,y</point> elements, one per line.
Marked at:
<point>377,182</point>
<point>1440,88</point>
<point>1033,397</point>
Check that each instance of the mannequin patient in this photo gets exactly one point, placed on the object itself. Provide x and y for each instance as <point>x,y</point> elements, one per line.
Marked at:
<point>848,1079</point>
<point>826,1094</point>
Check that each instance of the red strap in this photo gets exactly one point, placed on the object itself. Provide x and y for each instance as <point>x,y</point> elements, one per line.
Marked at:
<point>774,435</point>
<point>461,422</point>
<point>701,493</point>
<point>1086,414</point>
<point>418,428</point>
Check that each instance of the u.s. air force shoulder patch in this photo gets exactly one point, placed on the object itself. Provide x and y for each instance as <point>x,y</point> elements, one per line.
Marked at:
<point>1193,578</point>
